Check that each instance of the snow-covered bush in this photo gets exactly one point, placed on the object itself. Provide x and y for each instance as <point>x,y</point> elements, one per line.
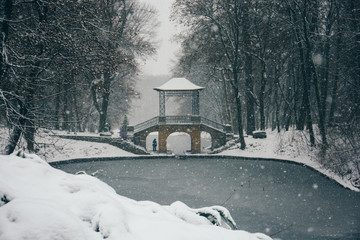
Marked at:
<point>342,153</point>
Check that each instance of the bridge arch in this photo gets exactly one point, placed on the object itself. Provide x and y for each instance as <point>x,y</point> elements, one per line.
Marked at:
<point>193,127</point>
<point>218,138</point>
<point>178,143</point>
<point>206,141</point>
<point>192,130</point>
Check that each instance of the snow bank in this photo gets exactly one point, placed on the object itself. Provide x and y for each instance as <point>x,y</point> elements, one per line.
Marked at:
<point>52,148</point>
<point>291,145</point>
<point>40,202</point>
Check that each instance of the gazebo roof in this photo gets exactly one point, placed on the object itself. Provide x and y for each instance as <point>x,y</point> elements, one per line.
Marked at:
<point>178,84</point>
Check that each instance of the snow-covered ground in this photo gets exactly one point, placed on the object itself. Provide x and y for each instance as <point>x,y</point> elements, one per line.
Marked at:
<point>40,202</point>
<point>43,203</point>
<point>66,149</point>
<point>57,149</point>
<point>290,145</point>
<point>287,145</point>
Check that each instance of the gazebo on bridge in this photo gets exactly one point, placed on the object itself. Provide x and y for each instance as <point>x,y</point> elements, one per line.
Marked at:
<point>192,124</point>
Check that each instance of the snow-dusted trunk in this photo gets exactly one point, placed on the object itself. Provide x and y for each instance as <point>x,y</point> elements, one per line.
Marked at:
<point>105,101</point>
<point>24,126</point>
<point>305,113</point>
<point>276,123</point>
<point>13,140</point>
<point>249,82</point>
<point>66,108</point>
<point>7,10</point>
<point>239,109</point>
<point>240,125</point>
<point>308,28</point>
<point>334,90</point>
<point>101,102</point>
<point>29,135</point>
<point>262,95</point>
<point>229,118</point>
<point>57,108</point>
<point>77,116</point>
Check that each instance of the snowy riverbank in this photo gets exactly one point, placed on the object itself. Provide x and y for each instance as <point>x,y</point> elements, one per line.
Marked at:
<point>291,146</point>
<point>40,202</point>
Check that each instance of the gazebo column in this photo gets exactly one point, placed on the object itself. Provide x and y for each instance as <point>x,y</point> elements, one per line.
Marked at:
<point>162,121</point>
<point>162,118</point>
<point>195,103</point>
<point>161,103</point>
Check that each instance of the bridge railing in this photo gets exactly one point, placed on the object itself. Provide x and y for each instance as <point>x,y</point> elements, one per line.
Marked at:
<point>213,124</point>
<point>144,125</point>
<point>178,120</point>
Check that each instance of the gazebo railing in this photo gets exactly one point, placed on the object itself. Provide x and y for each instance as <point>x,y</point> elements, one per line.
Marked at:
<point>178,120</point>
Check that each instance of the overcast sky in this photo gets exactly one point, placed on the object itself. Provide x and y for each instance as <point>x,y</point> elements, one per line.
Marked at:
<point>161,63</point>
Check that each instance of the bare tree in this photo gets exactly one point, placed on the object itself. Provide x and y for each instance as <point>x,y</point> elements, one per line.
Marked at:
<point>53,52</point>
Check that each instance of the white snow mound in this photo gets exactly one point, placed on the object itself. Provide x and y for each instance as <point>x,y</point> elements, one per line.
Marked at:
<point>43,203</point>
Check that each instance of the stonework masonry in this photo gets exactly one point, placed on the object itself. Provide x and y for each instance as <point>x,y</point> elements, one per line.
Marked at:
<point>192,130</point>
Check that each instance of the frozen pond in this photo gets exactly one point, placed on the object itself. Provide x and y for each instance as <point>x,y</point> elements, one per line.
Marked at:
<point>273,197</point>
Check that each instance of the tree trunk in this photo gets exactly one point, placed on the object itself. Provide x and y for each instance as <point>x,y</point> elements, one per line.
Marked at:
<point>250,109</point>
<point>249,83</point>
<point>262,95</point>
<point>228,118</point>
<point>295,91</point>
<point>276,100</point>
<point>239,109</point>
<point>66,108</point>
<point>77,117</point>
<point>311,74</point>
<point>8,6</point>
<point>29,135</point>
<point>14,139</point>
<point>105,101</point>
<point>57,108</point>
<point>334,91</point>
<point>305,107</point>
<point>18,129</point>
<point>239,118</point>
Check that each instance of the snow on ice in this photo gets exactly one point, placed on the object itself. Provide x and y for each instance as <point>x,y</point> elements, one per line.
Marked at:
<point>40,202</point>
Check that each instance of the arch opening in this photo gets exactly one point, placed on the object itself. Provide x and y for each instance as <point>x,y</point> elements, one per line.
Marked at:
<point>149,141</point>
<point>178,143</point>
<point>206,141</point>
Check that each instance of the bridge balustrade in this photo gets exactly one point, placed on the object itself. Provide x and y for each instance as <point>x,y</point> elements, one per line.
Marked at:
<point>144,125</point>
<point>179,120</point>
<point>213,124</point>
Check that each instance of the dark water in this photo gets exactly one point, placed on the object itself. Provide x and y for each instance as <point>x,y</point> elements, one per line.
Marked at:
<point>288,201</point>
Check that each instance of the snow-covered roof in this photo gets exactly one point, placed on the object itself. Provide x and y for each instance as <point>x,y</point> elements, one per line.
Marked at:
<point>178,84</point>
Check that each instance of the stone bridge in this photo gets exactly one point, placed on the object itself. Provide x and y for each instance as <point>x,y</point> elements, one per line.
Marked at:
<point>192,125</point>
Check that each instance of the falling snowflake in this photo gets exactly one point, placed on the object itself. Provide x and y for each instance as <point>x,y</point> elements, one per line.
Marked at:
<point>310,229</point>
